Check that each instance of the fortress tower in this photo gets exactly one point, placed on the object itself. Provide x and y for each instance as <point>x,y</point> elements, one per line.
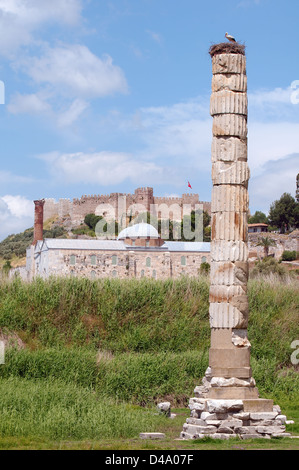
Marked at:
<point>144,196</point>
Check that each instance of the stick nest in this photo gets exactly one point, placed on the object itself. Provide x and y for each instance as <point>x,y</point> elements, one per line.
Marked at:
<point>227,48</point>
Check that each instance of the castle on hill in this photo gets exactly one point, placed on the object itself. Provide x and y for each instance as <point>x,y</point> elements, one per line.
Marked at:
<point>110,205</point>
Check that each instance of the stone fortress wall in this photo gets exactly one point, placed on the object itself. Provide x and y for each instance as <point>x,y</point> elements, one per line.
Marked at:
<point>109,204</point>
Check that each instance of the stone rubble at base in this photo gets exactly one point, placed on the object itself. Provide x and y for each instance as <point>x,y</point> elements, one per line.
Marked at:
<point>224,419</point>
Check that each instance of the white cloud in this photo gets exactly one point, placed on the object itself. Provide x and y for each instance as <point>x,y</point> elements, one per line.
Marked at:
<point>68,117</point>
<point>36,104</point>
<point>274,179</point>
<point>32,13</point>
<point>179,133</point>
<point>18,206</point>
<point>19,19</point>
<point>67,76</point>
<point>33,103</point>
<point>278,95</point>
<point>73,70</point>
<point>6,177</point>
<point>271,141</point>
<point>101,167</point>
<point>16,214</point>
<point>273,105</point>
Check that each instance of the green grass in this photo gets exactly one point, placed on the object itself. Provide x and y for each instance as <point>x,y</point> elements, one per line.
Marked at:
<point>100,354</point>
<point>132,377</point>
<point>116,315</point>
<point>51,408</point>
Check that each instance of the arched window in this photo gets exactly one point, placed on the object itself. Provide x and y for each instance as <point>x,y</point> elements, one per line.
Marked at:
<point>142,273</point>
<point>183,260</point>
<point>72,260</point>
<point>114,273</point>
<point>93,260</point>
<point>114,260</point>
<point>203,259</point>
<point>148,262</point>
<point>154,274</point>
<point>93,275</point>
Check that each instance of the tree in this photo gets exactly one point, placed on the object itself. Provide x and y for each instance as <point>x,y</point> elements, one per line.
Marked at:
<point>193,222</point>
<point>266,242</point>
<point>258,218</point>
<point>91,220</point>
<point>284,213</point>
<point>6,268</point>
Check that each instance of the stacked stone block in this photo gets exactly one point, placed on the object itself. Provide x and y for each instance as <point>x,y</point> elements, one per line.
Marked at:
<point>224,419</point>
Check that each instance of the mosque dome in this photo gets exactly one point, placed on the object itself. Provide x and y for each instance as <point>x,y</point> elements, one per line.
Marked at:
<point>141,230</point>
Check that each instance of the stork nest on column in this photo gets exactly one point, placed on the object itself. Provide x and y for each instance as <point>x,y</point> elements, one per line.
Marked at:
<point>227,48</point>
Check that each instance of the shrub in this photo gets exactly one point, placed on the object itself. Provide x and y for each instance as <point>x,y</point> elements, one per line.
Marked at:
<point>289,255</point>
<point>268,266</point>
<point>204,268</point>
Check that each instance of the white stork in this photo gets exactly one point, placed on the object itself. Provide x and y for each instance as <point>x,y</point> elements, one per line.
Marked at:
<point>229,37</point>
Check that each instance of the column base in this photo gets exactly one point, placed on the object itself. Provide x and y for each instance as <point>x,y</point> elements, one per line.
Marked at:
<point>234,418</point>
<point>230,407</point>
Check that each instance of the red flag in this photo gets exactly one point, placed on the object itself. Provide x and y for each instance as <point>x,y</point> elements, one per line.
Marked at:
<point>189,185</point>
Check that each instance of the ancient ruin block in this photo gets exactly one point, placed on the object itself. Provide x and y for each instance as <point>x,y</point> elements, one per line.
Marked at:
<point>229,251</point>
<point>228,102</point>
<point>229,226</point>
<point>233,357</point>
<point>220,393</point>
<point>229,149</point>
<point>227,315</point>
<point>233,82</point>
<point>229,198</point>
<point>230,173</point>
<point>230,125</point>
<point>229,273</point>
<point>226,293</point>
<point>229,63</point>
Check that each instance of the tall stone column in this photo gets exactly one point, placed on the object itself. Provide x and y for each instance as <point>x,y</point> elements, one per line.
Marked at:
<point>230,348</point>
<point>227,403</point>
<point>38,220</point>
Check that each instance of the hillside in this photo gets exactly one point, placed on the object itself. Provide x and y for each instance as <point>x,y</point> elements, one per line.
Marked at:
<point>13,247</point>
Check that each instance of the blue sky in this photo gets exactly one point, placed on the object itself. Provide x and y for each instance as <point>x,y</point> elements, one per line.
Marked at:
<point>108,95</point>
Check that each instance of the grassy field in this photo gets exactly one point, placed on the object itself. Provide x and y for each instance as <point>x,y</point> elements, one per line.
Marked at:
<point>92,358</point>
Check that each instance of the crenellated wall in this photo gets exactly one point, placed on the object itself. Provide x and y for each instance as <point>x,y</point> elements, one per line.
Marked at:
<point>109,205</point>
